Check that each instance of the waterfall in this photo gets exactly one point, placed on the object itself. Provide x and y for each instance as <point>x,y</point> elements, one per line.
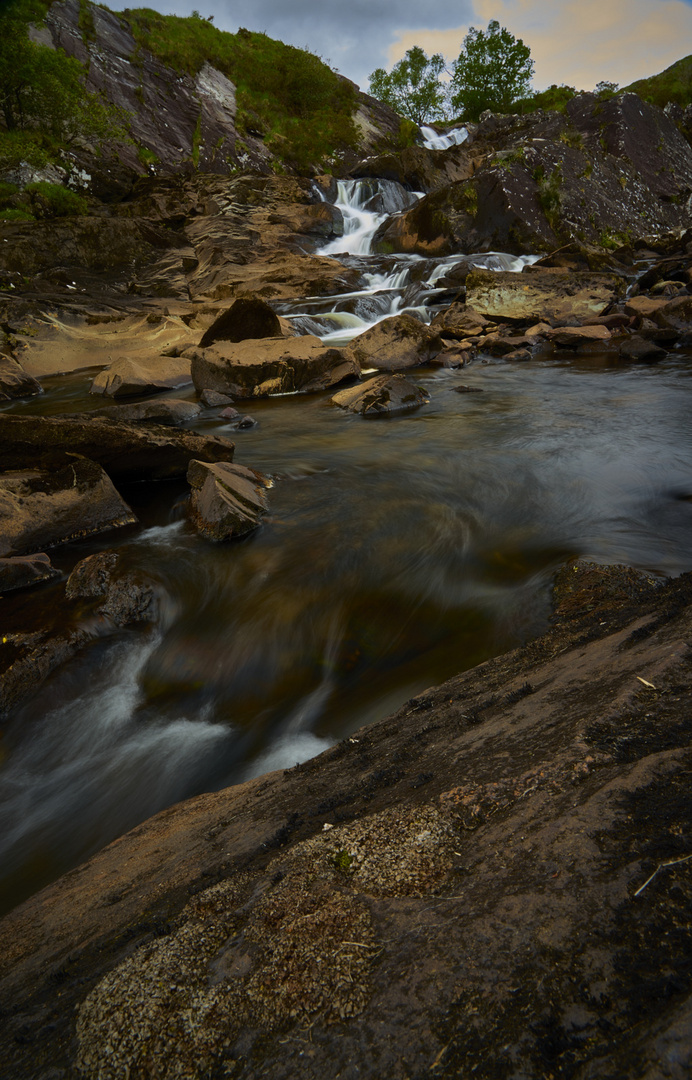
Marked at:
<point>433,141</point>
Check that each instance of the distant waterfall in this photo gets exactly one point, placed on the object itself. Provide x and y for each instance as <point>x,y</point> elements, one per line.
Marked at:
<point>433,141</point>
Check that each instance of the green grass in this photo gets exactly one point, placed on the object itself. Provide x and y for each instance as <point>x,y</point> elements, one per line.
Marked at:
<point>54,200</point>
<point>290,97</point>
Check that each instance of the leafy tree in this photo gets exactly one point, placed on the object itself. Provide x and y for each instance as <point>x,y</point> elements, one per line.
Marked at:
<point>493,70</point>
<point>413,88</point>
<point>43,88</point>
<point>605,89</point>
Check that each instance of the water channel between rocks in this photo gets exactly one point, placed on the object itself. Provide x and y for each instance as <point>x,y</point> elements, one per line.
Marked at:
<point>398,552</point>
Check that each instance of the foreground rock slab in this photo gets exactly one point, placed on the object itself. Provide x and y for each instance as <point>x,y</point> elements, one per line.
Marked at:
<point>41,508</point>
<point>385,395</point>
<point>128,452</point>
<point>495,878</point>
<point>541,295</point>
<point>227,501</point>
<point>259,368</point>
<point>14,381</point>
<point>25,570</point>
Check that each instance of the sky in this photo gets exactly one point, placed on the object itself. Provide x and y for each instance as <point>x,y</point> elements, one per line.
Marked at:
<point>578,42</point>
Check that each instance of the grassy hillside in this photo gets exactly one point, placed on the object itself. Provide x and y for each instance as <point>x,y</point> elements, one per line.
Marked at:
<point>289,96</point>
<point>673,84</point>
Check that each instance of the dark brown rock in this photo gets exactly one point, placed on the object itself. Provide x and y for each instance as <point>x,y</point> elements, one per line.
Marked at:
<point>39,509</point>
<point>227,501</point>
<point>385,395</point>
<point>640,349</point>
<point>14,381</point>
<point>126,451</point>
<point>395,344</point>
<point>167,411</point>
<point>131,378</point>
<point>247,317</point>
<point>22,571</point>
<point>122,596</point>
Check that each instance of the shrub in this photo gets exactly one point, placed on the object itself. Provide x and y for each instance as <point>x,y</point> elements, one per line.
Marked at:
<point>54,200</point>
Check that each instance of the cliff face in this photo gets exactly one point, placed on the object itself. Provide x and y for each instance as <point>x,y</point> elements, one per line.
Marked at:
<point>184,123</point>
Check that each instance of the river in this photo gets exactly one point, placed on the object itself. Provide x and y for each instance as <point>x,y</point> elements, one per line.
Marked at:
<point>398,552</point>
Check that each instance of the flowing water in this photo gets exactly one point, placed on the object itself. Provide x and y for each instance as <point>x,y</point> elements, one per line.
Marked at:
<point>398,552</point>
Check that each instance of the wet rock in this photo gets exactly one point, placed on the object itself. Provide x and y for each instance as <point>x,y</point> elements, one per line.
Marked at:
<point>14,381</point>
<point>127,378</point>
<point>503,344</point>
<point>211,399</point>
<point>574,337</point>
<point>644,307</point>
<point>128,452</point>
<point>549,296</point>
<point>518,355</point>
<point>247,317</point>
<point>395,344</point>
<point>169,411</point>
<point>419,169</point>
<point>640,349</point>
<point>458,322</point>
<point>676,314</point>
<point>22,571</point>
<point>39,509</point>
<point>122,596</point>
<point>227,501</point>
<point>255,368</point>
<point>385,395</point>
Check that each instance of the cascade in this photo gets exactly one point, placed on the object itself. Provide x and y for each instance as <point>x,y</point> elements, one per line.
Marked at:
<point>433,141</point>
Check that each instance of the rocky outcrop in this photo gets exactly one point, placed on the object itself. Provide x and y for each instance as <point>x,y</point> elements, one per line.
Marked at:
<point>541,295</point>
<point>419,169</point>
<point>258,368</point>
<point>544,794</point>
<point>40,508</point>
<point>130,378</point>
<point>542,180</point>
<point>395,344</point>
<point>168,411</point>
<point>385,395</point>
<point>127,452</point>
<point>226,501</point>
<point>113,592</point>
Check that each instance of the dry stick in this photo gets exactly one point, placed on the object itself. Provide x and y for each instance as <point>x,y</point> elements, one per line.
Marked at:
<point>661,866</point>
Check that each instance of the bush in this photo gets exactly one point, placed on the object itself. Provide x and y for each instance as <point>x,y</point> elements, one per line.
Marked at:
<point>54,200</point>
<point>14,214</point>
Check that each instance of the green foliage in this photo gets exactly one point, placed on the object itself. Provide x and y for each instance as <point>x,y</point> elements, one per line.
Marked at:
<point>573,138</point>
<point>343,861</point>
<point>549,194</point>
<point>16,214</point>
<point>611,239</point>
<point>41,89</point>
<point>86,21</point>
<point>673,84</point>
<point>54,200</point>
<point>287,95</point>
<point>412,88</point>
<point>147,156</point>
<point>408,134</point>
<point>554,98</point>
<point>605,89</point>
<point>493,70</point>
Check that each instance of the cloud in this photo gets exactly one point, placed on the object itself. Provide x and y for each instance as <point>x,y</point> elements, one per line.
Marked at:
<point>576,43</point>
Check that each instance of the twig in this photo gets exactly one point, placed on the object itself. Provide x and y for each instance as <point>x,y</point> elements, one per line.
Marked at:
<point>661,866</point>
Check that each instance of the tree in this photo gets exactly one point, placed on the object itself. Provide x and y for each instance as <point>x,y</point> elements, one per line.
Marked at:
<point>413,88</point>
<point>493,70</point>
<point>42,89</point>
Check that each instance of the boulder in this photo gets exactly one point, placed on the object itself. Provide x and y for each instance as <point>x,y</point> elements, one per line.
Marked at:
<point>644,307</point>
<point>127,378</point>
<point>226,501</point>
<point>676,314</point>
<point>25,570</point>
<point>128,452</point>
<point>574,337</point>
<point>458,322</point>
<point>14,381</point>
<point>211,399</point>
<point>385,395</point>
<point>40,508</point>
<point>543,295</point>
<point>395,344</point>
<point>418,168</point>
<point>168,411</point>
<point>640,349</point>
<point>258,368</point>
<point>122,596</point>
<point>247,317</point>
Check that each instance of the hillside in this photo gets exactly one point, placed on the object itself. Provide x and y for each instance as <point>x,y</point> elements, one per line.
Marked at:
<point>673,84</point>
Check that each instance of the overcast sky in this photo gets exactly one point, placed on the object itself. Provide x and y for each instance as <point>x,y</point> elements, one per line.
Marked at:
<point>578,42</point>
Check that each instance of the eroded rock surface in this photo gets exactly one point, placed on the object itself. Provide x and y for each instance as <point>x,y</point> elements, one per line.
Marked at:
<point>385,395</point>
<point>25,570</point>
<point>130,378</point>
<point>395,344</point>
<point>541,295</point>
<point>495,878</point>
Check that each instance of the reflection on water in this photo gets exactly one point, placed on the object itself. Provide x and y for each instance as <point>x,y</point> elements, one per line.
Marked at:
<point>397,553</point>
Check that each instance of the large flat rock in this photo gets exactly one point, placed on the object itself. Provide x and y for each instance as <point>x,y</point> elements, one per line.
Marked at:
<point>126,451</point>
<point>41,508</point>
<point>261,367</point>
<point>131,378</point>
<point>541,295</point>
<point>385,395</point>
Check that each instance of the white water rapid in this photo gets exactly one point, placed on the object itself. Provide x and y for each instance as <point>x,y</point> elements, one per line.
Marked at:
<point>433,141</point>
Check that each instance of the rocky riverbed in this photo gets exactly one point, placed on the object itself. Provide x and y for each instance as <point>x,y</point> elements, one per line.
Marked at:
<point>463,369</point>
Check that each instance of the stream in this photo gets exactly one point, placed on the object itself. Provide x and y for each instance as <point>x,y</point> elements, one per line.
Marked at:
<point>398,552</point>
